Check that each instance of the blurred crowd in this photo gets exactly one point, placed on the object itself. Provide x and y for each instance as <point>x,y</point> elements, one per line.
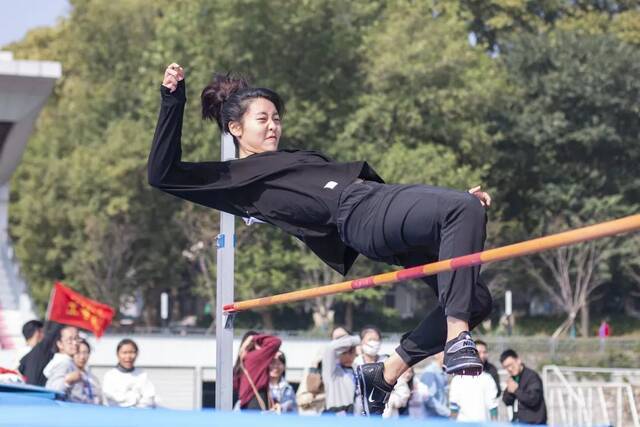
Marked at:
<point>328,384</point>
<point>59,359</point>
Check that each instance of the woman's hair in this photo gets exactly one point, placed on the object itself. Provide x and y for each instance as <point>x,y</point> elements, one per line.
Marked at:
<point>370,328</point>
<point>226,99</point>
<point>82,341</point>
<point>126,341</point>
<point>58,336</point>
<point>280,356</point>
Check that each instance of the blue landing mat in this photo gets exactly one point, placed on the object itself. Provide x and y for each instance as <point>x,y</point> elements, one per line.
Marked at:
<point>74,415</point>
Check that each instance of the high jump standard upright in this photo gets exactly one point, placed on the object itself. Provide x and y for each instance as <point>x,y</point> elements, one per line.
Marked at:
<point>225,283</point>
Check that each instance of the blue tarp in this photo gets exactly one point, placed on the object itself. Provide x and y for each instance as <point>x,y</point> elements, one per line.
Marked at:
<point>76,415</point>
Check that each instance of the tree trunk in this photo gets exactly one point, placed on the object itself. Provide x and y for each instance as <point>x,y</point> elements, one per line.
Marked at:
<point>267,320</point>
<point>348,316</point>
<point>584,321</point>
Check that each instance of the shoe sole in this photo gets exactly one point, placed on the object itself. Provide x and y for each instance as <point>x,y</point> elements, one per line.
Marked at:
<point>470,369</point>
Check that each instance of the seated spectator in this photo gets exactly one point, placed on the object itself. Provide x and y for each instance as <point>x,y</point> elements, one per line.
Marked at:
<point>338,375</point>
<point>417,401</point>
<point>473,398</point>
<point>62,374</point>
<point>436,381</point>
<point>398,404</point>
<point>32,364</point>
<point>251,373</point>
<point>282,394</point>
<point>524,391</point>
<point>91,391</point>
<point>125,385</point>
<point>33,333</point>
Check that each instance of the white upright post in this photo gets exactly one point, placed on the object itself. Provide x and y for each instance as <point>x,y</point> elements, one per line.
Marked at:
<point>224,295</point>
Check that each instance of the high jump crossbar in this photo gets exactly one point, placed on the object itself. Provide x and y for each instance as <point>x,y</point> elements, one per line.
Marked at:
<point>584,234</point>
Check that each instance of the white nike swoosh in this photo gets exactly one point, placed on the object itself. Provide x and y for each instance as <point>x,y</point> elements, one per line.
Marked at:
<point>371,397</point>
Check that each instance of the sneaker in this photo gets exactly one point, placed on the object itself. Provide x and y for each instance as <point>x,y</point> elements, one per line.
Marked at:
<point>374,390</point>
<point>461,356</point>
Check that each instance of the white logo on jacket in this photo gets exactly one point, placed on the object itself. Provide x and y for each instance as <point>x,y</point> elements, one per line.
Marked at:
<point>330,185</point>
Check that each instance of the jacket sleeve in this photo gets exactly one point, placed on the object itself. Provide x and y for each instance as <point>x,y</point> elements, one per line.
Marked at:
<point>531,394</point>
<point>329,357</point>
<point>257,361</point>
<point>199,182</point>
<point>508,398</point>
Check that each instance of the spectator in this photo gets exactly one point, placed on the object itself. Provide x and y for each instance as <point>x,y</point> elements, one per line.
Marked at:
<point>419,395</point>
<point>310,396</point>
<point>33,333</point>
<point>473,398</point>
<point>370,342</point>
<point>281,392</point>
<point>435,379</point>
<point>125,385</point>
<point>398,404</point>
<point>524,391</point>
<point>488,367</point>
<point>91,391</point>
<point>251,373</point>
<point>62,374</point>
<point>338,374</point>
<point>32,364</point>
<point>604,331</point>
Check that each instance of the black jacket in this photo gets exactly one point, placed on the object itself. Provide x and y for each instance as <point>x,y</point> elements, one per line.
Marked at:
<point>491,370</point>
<point>285,188</point>
<point>531,408</point>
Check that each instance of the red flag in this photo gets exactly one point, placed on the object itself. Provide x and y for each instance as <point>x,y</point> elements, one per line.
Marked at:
<point>70,308</point>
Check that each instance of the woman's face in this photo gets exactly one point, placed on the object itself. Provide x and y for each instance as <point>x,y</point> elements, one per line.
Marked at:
<point>68,342</point>
<point>260,129</point>
<point>276,368</point>
<point>127,356</point>
<point>82,356</point>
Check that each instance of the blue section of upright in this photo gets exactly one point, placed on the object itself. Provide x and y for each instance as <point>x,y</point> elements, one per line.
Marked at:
<point>77,415</point>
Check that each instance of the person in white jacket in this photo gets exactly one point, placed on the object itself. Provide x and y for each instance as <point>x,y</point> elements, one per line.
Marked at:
<point>473,398</point>
<point>61,373</point>
<point>125,385</point>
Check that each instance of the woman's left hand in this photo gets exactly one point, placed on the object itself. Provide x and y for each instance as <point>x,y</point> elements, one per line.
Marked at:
<point>484,198</point>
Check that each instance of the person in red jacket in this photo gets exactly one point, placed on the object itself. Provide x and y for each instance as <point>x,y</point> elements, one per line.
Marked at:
<point>251,373</point>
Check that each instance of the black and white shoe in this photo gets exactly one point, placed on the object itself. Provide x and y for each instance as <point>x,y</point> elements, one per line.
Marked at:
<point>374,390</point>
<point>461,356</point>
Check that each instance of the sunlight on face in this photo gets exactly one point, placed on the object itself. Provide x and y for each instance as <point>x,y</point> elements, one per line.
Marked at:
<point>260,129</point>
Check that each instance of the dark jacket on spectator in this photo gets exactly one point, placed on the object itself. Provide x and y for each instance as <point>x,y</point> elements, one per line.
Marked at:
<point>491,370</point>
<point>34,362</point>
<point>256,363</point>
<point>528,399</point>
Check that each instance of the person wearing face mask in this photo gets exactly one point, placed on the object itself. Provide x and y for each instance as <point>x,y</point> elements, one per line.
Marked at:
<point>371,341</point>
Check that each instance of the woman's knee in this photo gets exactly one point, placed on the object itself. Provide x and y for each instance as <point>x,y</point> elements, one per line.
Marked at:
<point>469,208</point>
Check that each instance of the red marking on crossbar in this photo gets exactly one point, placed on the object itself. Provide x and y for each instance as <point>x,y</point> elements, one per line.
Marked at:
<point>228,307</point>
<point>410,273</point>
<point>366,282</point>
<point>466,261</point>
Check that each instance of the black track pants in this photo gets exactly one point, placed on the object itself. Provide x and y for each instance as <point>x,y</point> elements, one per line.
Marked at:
<point>409,225</point>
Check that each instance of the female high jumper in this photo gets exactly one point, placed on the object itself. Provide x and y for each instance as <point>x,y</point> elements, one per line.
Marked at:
<point>339,210</point>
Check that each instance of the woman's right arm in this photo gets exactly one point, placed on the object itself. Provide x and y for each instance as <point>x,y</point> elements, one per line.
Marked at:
<point>200,182</point>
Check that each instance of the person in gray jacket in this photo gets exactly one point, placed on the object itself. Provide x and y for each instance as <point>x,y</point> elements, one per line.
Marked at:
<point>61,372</point>
<point>338,375</point>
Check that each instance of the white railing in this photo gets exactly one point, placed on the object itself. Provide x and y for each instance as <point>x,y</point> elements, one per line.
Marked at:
<point>590,396</point>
